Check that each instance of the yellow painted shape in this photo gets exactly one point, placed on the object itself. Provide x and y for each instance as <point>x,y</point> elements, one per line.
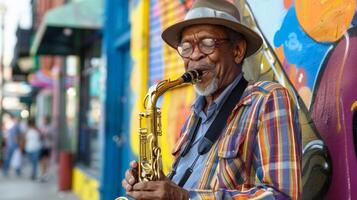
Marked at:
<point>354,106</point>
<point>85,187</point>
<point>325,20</point>
<point>175,108</point>
<point>176,103</point>
<point>139,52</point>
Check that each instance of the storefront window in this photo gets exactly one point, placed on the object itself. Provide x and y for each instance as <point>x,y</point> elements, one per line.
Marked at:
<point>71,84</point>
<point>93,114</point>
<point>90,108</point>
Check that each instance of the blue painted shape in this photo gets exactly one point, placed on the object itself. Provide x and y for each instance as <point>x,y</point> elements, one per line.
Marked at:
<point>115,158</point>
<point>354,20</point>
<point>299,48</point>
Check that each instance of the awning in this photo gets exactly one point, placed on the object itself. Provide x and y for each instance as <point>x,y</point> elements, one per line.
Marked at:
<point>68,28</point>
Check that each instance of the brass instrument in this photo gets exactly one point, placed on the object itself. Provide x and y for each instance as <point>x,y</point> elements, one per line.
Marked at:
<point>150,127</point>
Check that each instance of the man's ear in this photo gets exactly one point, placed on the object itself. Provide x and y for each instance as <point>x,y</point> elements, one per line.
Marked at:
<point>239,51</point>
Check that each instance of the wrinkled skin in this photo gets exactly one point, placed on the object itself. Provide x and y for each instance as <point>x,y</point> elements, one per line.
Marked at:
<point>162,189</point>
<point>224,63</point>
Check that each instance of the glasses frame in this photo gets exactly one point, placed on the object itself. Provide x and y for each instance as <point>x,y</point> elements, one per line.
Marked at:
<point>216,41</point>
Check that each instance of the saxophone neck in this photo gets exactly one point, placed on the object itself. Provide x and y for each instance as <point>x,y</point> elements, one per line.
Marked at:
<point>160,88</point>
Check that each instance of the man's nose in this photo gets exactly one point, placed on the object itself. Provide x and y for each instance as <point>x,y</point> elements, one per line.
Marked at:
<point>196,54</point>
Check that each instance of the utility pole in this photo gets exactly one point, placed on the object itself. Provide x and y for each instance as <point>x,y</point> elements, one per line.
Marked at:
<point>2,15</point>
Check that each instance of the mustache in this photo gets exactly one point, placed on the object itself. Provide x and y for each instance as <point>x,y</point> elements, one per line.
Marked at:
<point>201,67</point>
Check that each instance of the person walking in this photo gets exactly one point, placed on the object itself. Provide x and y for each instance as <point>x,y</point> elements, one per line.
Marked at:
<point>45,154</point>
<point>33,146</point>
<point>12,141</point>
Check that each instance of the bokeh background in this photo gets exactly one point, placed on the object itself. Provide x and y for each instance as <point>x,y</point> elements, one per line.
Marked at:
<point>89,63</point>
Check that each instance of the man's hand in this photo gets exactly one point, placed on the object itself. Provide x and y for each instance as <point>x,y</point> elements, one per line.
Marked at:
<point>165,189</point>
<point>131,176</point>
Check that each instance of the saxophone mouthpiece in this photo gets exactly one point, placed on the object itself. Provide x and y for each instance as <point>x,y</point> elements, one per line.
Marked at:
<point>192,76</point>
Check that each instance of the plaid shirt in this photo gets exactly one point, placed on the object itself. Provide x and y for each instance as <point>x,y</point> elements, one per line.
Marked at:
<point>258,155</point>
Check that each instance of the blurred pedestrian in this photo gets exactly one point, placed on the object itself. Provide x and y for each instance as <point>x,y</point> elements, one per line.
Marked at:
<point>13,140</point>
<point>16,161</point>
<point>47,141</point>
<point>33,146</point>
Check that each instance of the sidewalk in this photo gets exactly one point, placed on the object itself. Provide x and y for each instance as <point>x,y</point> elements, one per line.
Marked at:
<point>22,188</point>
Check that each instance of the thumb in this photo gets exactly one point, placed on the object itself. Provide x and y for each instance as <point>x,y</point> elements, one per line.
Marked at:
<point>163,177</point>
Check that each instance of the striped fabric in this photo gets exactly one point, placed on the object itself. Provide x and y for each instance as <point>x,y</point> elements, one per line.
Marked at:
<point>258,155</point>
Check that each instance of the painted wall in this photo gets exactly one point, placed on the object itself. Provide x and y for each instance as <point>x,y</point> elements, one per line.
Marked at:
<point>311,43</point>
<point>114,127</point>
<point>308,47</point>
<point>84,186</point>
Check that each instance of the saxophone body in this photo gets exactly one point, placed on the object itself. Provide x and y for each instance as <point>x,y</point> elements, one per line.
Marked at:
<point>150,128</point>
<point>149,161</point>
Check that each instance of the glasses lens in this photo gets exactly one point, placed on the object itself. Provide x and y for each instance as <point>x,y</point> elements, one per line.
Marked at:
<point>207,45</point>
<point>185,49</point>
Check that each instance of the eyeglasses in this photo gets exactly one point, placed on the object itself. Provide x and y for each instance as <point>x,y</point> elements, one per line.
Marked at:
<point>205,45</point>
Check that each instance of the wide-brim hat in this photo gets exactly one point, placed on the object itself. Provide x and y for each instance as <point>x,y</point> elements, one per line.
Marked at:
<point>213,12</point>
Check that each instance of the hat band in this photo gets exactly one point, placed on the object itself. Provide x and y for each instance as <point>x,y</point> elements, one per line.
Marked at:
<point>203,12</point>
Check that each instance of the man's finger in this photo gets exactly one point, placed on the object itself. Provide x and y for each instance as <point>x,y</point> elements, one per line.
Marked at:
<point>146,185</point>
<point>129,176</point>
<point>149,185</point>
<point>126,185</point>
<point>133,164</point>
<point>143,195</point>
<point>163,177</point>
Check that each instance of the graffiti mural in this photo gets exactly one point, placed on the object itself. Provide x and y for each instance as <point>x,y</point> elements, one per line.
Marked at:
<point>333,109</point>
<point>310,48</point>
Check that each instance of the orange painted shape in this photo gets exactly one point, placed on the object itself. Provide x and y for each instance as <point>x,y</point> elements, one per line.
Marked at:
<point>325,20</point>
<point>280,53</point>
<point>300,78</point>
<point>292,74</point>
<point>287,3</point>
<point>306,95</point>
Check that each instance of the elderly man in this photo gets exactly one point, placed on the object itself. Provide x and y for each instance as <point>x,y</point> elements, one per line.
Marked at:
<point>253,133</point>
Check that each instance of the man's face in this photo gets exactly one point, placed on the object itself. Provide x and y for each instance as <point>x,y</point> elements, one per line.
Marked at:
<point>220,67</point>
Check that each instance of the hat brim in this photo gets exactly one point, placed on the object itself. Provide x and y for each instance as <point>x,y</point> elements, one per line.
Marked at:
<point>172,34</point>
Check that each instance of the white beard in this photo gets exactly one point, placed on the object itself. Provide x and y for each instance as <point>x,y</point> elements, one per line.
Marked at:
<point>209,89</point>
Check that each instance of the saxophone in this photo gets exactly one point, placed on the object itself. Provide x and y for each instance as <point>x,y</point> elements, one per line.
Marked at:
<point>150,126</point>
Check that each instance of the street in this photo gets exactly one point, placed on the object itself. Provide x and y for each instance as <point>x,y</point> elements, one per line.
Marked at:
<point>23,188</point>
